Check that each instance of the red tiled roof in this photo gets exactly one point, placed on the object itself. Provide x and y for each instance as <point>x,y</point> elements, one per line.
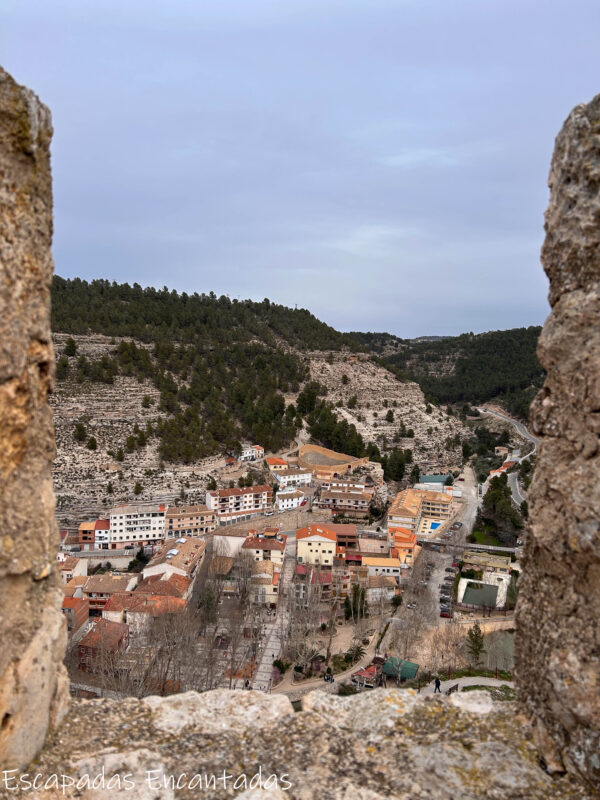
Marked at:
<point>144,603</point>
<point>73,602</point>
<point>174,586</point>
<point>317,530</point>
<point>264,543</point>
<point>105,634</point>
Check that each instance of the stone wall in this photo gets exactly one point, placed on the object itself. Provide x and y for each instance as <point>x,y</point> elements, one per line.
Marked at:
<point>558,646</point>
<point>33,684</point>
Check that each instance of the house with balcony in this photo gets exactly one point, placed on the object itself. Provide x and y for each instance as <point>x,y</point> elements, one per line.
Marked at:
<point>137,524</point>
<point>237,505</point>
<point>195,520</point>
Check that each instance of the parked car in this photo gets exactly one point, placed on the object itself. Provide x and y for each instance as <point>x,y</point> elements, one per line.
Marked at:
<point>447,614</point>
<point>411,605</point>
<point>450,569</point>
<point>431,564</point>
<point>458,525</point>
<point>460,479</point>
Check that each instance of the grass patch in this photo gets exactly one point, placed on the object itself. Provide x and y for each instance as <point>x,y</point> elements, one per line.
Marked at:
<point>503,693</point>
<point>485,536</point>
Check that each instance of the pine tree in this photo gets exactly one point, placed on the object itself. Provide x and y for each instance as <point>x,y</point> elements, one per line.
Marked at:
<point>475,643</point>
<point>79,432</point>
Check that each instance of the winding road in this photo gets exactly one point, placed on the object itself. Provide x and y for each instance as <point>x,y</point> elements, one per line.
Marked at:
<point>513,477</point>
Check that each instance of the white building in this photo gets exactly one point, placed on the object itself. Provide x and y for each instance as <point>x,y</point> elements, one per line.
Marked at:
<point>289,498</point>
<point>293,477</point>
<point>137,524</point>
<point>388,567</point>
<point>237,505</point>
<point>102,534</point>
<point>252,453</point>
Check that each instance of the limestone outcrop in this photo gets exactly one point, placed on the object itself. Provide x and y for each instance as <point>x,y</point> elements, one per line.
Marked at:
<point>33,683</point>
<point>558,648</point>
<point>389,744</point>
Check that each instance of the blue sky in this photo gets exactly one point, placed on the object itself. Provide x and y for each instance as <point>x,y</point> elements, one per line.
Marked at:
<point>382,163</point>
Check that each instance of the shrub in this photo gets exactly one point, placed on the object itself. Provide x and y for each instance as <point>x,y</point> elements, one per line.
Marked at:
<point>70,347</point>
<point>79,432</point>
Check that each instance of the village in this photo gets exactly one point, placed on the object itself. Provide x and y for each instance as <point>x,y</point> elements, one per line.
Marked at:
<point>285,584</point>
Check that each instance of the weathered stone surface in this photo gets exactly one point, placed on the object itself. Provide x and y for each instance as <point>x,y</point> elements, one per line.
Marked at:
<point>33,688</point>
<point>217,711</point>
<point>558,647</point>
<point>382,744</point>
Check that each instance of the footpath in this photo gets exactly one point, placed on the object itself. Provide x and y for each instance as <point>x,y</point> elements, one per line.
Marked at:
<point>475,680</point>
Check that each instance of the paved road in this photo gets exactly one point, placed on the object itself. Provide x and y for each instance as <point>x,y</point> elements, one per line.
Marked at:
<point>272,639</point>
<point>513,477</point>
<point>519,427</point>
<point>474,681</point>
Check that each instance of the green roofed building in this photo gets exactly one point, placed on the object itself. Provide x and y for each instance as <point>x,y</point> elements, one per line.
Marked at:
<point>391,668</point>
<point>404,670</point>
<point>408,670</point>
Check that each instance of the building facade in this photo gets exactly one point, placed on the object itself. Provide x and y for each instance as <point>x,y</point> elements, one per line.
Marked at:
<point>293,477</point>
<point>316,546</point>
<point>288,499</point>
<point>137,524</point>
<point>189,521</point>
<point>237,505</point>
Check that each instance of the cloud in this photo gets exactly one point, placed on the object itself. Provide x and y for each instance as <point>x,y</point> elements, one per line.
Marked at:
<point>383,164</point>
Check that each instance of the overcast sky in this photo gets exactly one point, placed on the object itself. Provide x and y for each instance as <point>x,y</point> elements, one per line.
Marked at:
<point>380,162</point>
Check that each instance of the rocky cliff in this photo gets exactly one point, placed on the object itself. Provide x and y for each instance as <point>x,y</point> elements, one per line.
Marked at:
<point>33,684</point>
<point>558,613</point>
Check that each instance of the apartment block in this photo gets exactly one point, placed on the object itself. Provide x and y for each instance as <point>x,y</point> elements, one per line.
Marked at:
<point>139,524</point>
<point>189,520</point>
<point>237,505</point>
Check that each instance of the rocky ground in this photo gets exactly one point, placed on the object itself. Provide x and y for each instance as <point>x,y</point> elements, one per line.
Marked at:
<point>387,743</point>
<point>375,386</point>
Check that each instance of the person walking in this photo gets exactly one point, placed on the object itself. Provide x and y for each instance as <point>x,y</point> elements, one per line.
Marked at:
<point>437,686</point>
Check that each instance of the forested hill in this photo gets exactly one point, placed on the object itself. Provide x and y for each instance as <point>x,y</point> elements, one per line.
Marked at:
<point>222,368</point>
<point>150,315</point>
<point>471,368</point>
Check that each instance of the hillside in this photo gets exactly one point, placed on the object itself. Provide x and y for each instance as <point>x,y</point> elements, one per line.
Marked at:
<point>471,368</point>
<point>151,400</point>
